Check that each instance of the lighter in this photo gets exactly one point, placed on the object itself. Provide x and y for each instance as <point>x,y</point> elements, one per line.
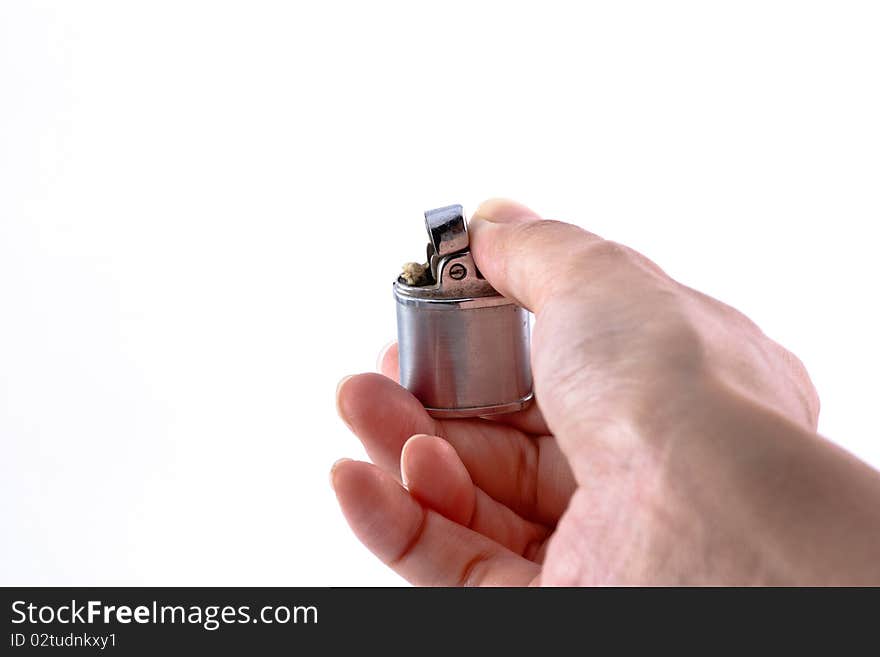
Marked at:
<point>463,348</point>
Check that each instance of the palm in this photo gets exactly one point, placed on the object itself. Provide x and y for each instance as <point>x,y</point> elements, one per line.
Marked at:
<point>480,511</point>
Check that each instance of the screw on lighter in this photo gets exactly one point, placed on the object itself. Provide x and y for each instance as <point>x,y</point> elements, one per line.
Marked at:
<point>464,348</point>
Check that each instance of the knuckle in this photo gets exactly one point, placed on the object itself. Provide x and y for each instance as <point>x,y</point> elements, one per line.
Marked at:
<point>599,258</point>
<point>617,255</point>
<point>547,231</point>
<point>803,383</point>
<point>412,542</point>
<point>609,250</point>
<point>771,355</point>
<point>526,475</point>
<point>677,337</point>
<point>474,571</point>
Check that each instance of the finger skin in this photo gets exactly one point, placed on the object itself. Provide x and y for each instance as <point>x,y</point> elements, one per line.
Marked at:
<point>389,362</point>
<point>383,415</point>
<point>525,257</point>
<point>684,423</point>
<point>530,420</point>
<point>528,474</point>
<point>419,543</point>
<point>436,477</point>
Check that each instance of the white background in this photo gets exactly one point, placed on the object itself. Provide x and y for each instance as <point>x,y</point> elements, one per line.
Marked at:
<point>203,205</point>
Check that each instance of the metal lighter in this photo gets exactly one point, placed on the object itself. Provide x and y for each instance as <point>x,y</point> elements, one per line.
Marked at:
<point>464,348</point>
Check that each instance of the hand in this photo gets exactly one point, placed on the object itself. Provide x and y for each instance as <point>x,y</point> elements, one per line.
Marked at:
<point>672,441</point>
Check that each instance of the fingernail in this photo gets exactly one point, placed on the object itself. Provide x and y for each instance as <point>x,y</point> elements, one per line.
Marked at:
<point>339,410</point>
<point>404,455</point>
<point>503,211</point>
<point>403,478</point>
<point>333,467</point>
<point>382,353</point>
<point>342,383</point>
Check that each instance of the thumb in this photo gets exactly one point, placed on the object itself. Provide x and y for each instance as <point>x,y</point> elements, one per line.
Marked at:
<point>524,257</point>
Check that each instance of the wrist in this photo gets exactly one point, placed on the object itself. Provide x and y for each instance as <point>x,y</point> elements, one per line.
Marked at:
<point>768,501</point>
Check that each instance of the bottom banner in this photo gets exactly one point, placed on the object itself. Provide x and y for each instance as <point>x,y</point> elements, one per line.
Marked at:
<point>127,621</point>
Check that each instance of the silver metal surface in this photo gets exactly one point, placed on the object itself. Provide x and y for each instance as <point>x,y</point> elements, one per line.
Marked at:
<point>465,361</point>
<point>464,349</point>
<point>447,229</point>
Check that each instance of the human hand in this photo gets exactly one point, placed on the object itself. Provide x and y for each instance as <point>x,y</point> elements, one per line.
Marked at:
<point>661,449</point>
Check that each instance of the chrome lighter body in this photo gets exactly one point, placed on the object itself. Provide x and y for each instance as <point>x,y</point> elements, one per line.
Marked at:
<point>464,349</point>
